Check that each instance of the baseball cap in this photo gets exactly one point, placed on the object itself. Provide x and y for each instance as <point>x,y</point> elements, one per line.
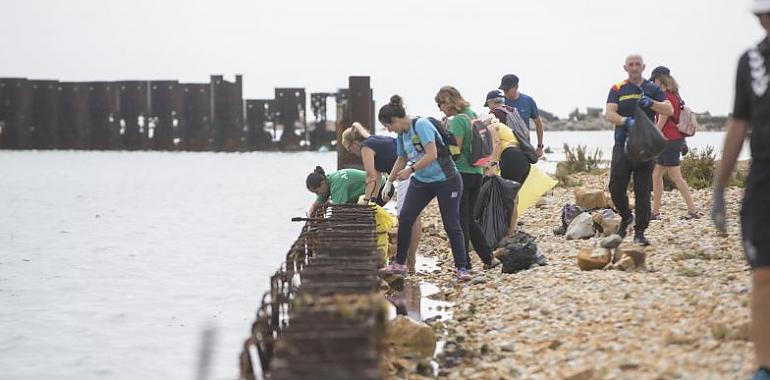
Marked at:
<point>760,6</point>
<point>660,70</point>
<point>494,94</point>
<point>508,81</point>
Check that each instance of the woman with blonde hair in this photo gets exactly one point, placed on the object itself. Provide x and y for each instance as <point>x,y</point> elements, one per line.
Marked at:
<point>378,154</point>
<point>459,115</point>
<point>668,160</point>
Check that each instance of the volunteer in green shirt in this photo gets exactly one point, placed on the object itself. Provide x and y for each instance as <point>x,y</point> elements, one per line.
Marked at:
<point>342,186</point>
<point>458,110</point>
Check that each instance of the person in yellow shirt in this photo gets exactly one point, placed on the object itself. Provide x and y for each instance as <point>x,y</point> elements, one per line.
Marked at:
<point>509,158</point>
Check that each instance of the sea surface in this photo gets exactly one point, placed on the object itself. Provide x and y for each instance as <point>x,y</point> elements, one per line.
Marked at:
<point>112,264</point>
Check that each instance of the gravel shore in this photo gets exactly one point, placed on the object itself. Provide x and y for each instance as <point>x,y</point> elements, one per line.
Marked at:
<point>684,316</point>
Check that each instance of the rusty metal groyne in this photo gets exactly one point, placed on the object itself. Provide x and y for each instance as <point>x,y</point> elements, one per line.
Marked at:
<point>170,115</point>
<point>323,317</point>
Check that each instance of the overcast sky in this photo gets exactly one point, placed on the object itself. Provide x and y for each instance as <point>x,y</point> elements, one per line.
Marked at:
<point>567,53</point>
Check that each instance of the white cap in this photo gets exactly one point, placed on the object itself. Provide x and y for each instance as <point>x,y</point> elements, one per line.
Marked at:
<point>760,6</point>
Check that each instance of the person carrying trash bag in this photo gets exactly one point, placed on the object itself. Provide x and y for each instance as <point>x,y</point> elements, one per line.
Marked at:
<point>510,156</point>
<point>378,154</point>
<point>422,151</point>
<point>632,97</point>
<point>460,116</point>
<point>751,113</point>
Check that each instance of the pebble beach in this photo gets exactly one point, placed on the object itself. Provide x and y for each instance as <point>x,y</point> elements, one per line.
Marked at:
<point>684,315</point>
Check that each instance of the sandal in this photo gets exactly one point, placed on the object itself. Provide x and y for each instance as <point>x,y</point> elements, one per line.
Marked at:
<point>691,215</point>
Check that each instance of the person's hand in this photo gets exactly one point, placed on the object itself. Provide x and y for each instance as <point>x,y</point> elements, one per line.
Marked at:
<point>685,149</point>
<point>490,169</point>
<point>628,122</point>
<point>718,213</point>
<point>539,151</point>
<point>645,101</point>
<point>386,189</point>
<point>404,174</point>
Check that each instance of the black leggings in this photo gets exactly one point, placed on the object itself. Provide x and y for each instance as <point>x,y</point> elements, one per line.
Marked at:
<point>471,228</point>
<point>620,175</point>
<point>514,165</point>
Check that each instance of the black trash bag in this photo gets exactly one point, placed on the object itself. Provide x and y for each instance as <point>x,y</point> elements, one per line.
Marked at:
<point>645,141</point>
<point>519,252</point>
<point>494,207</point>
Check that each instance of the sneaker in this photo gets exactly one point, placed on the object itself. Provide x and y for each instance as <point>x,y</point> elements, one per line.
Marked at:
<point>762,374</point>
<point>463,274</point>
<point>492,264</point>
<point>639,238</point>
<point>623,230</point>
<point>655,216</point>
<point>394,268</point>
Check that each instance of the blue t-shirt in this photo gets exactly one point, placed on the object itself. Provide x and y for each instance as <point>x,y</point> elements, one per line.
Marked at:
<point>526,106</point>
<point>411,145</point>
<point>384,148</point>
<point>626,95</point>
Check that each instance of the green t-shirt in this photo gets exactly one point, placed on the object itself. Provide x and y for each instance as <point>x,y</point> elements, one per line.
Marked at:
<point>345,186</point>
<point>461,127</point>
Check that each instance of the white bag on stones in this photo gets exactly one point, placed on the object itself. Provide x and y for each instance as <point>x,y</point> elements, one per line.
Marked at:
<point>582,227</point>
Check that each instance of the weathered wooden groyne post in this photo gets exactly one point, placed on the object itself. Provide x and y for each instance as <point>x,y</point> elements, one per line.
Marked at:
<point>323,317</point>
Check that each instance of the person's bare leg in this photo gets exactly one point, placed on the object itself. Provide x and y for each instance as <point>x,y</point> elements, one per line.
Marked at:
<point>675,174</point>
<point>657,187</point>
<point>760,315</point>
<point>514,218</point>
<point>411,258</point>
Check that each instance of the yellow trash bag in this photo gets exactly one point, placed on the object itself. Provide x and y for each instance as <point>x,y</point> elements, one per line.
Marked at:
<point>385,222</point>
<point>536,184</point>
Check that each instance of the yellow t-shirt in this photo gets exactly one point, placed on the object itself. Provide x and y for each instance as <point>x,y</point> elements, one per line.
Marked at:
<point>507,139</point>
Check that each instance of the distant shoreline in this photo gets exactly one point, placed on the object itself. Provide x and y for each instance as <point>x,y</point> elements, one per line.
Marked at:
<point>594,121</point>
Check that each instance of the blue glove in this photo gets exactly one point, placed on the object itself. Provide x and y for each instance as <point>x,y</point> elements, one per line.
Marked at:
<point>645,101</point>
<point>629,122</point>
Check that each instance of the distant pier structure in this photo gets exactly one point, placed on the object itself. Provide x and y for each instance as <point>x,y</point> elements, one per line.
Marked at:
<point>169,115</point>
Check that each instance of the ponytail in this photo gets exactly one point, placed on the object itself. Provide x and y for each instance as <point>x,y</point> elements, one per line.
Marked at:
<point>315,178</point>
<point>356,133</point>
<point>392,110</point>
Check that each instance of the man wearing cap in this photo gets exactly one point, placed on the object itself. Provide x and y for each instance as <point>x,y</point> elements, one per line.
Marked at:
<point>752,110</point>
<point>524,104</point>
<point>621,105</point>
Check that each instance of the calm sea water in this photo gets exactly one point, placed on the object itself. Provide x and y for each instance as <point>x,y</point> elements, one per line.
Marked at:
<point>113,263</point>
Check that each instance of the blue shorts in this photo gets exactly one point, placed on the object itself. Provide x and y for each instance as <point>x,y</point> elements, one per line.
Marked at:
<point>670,156</point>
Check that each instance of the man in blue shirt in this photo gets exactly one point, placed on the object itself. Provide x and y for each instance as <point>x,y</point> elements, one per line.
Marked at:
<point>524,104</point>
<point>621,105</point>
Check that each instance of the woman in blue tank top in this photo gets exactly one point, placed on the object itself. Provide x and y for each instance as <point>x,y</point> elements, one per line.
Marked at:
<point>378,154</point>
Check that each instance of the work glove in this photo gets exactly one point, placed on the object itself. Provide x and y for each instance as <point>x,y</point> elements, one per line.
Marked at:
<point>629,122</point>
<point>386,189</point>
<point>718,213</point>
<point>645,101</point>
